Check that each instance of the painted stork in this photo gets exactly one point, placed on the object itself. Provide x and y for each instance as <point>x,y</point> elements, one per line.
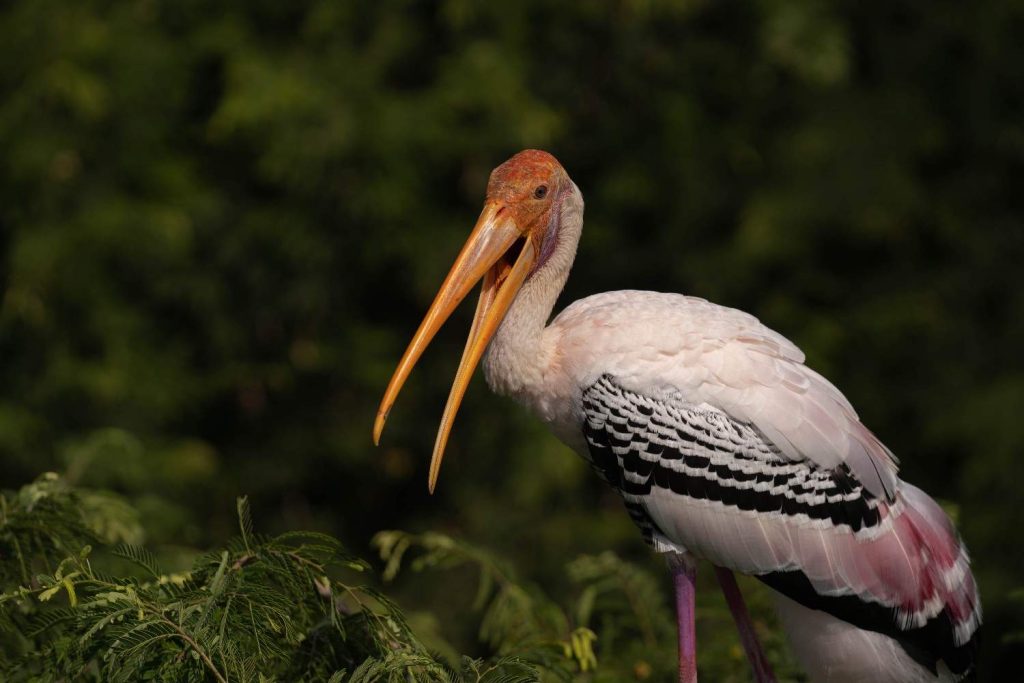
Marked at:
<point>721,442</point>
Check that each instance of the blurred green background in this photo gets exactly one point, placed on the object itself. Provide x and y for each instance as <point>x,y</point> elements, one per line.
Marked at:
<point>221,222</point>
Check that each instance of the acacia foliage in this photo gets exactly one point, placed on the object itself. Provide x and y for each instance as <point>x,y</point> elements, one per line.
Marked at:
<point>76,605</point>
<point>259,608</point>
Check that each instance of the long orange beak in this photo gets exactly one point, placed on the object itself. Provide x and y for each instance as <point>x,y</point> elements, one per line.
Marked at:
<point>489,254</point>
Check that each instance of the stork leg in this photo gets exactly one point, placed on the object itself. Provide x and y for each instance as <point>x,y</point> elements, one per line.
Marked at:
<point>684,576</point>
<point>755,655</point>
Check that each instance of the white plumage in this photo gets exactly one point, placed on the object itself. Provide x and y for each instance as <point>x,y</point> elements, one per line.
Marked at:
<point>670,345</point>
<point>726,446</point>
<point>834,651</point>
<point>682,351</point>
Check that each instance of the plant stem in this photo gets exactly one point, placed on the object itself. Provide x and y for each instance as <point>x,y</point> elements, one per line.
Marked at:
<point>195,646</point>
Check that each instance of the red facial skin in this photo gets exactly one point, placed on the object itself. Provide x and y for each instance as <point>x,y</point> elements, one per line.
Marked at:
<point>515,183</point>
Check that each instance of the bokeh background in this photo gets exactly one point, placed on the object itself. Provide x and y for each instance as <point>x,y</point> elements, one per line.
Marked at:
<point>221,222</point>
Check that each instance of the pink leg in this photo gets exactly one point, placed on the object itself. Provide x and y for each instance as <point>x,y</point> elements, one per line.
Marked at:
<point>684,575</point>
<point>758,662</point>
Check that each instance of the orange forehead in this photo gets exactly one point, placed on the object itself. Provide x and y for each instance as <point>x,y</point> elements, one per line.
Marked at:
<point>522,171</point>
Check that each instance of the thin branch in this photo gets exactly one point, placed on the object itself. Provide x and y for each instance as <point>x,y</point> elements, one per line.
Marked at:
<point>195,646</point>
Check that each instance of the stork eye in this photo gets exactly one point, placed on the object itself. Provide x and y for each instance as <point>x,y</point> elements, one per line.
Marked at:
<point>540,192</point>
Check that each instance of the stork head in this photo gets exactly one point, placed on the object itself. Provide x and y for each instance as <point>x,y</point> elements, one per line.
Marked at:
<point>513,237</point>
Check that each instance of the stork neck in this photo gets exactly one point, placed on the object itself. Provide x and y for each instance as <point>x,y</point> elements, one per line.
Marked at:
<point>519,355</point>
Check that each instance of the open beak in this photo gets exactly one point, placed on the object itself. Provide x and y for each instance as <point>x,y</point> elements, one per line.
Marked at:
<point>501,254</point>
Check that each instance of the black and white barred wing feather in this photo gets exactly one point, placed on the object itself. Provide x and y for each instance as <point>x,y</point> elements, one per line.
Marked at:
<point>726,358</point>
<point>696,478</point>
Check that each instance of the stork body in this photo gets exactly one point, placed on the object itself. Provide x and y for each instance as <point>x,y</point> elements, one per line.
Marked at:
<point>671,399</point>
<point>723,445</point>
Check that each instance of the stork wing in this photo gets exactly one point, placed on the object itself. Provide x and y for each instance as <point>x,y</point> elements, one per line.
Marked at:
<point>684,348</point>
<point>697,478</point>
<point>800,412</point>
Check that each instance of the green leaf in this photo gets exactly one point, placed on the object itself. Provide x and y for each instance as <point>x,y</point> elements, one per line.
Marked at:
<point>139,556</point>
